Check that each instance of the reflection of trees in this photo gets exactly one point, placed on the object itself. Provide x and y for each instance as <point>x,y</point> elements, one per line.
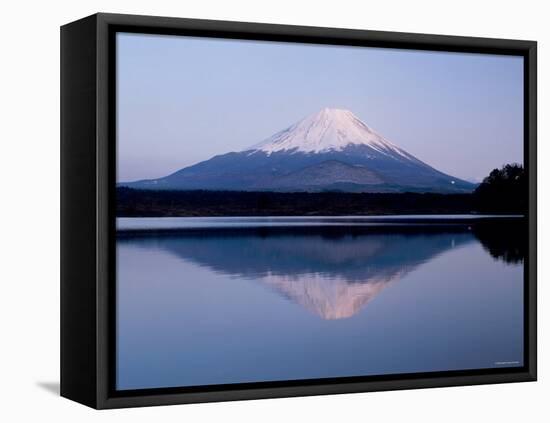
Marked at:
<point>506,240</point>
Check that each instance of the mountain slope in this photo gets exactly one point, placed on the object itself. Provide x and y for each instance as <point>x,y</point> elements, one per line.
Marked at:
<point>324,175</point>
<point>329,150</point>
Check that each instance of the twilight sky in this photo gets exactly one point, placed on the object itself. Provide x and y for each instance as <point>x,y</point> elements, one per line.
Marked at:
<point>182,100</point>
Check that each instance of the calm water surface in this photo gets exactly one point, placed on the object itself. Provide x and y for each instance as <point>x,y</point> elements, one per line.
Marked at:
<point>217,300</point>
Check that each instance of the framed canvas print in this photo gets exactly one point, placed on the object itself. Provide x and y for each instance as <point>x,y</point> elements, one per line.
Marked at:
<point>255,211</point>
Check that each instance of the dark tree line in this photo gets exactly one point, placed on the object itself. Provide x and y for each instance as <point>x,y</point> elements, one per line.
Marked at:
<point>132,202</point>
<point>505,190</point>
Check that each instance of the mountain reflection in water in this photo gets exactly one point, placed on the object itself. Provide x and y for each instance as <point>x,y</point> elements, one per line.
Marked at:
<point>247,303</point>
<point>332,272</point>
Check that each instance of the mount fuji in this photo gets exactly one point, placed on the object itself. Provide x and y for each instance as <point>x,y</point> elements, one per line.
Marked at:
<point>331,150</point>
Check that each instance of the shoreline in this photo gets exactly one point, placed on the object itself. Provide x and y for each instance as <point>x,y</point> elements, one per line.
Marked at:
<point>127,225</point>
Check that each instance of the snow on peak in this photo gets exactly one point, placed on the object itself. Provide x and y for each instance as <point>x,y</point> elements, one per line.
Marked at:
<point>328,129</point>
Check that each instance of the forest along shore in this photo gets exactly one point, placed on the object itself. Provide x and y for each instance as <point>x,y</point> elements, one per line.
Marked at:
<point>149,203</point>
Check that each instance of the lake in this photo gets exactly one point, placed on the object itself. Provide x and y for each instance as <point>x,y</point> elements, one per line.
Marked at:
<point>204,301</point>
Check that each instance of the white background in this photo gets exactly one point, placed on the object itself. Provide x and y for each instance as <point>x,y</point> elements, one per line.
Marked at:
<point>29,321</point>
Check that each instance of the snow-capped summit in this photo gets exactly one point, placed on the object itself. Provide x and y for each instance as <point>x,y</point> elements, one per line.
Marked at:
<point>328,129</point>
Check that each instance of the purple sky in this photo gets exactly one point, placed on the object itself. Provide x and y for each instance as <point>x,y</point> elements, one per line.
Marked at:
<point>182,100</point>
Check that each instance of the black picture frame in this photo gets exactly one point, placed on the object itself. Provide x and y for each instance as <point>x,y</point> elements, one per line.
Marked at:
<point>88,222</point>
